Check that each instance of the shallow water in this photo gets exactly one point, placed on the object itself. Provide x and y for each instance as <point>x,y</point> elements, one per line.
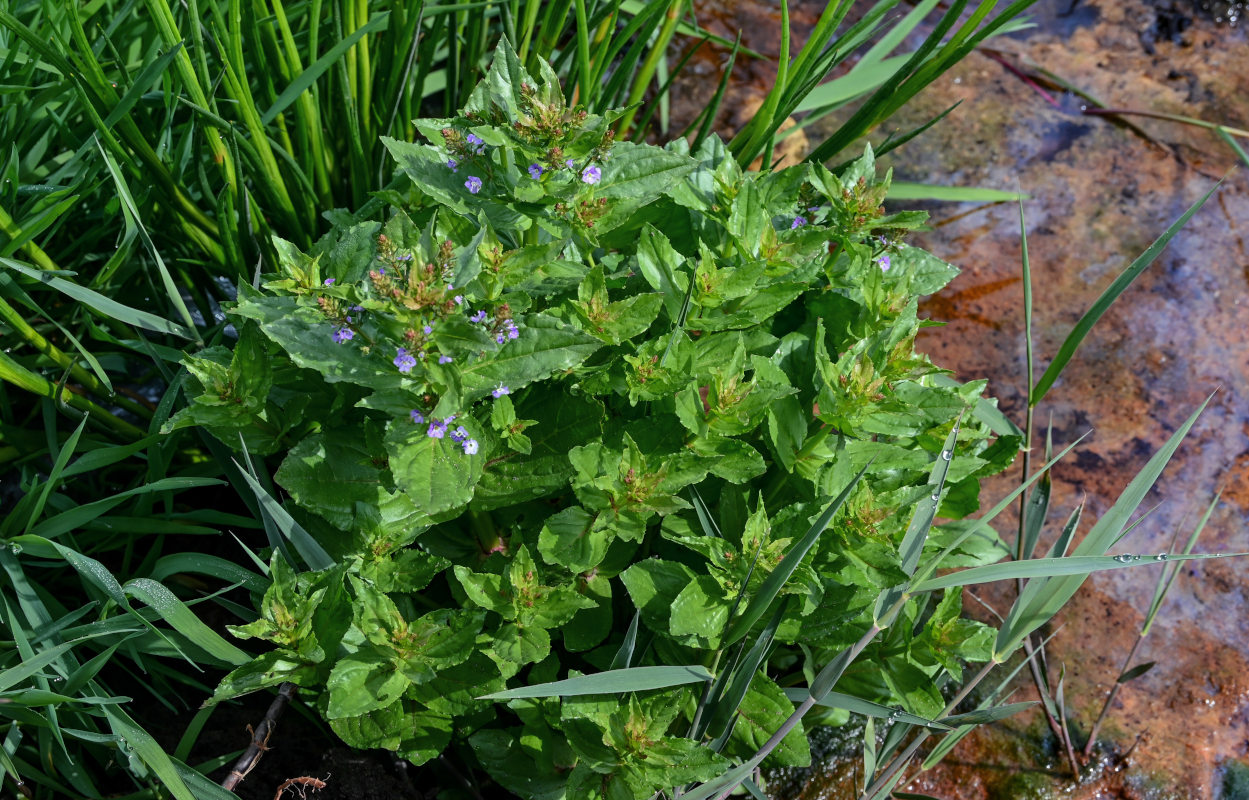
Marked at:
<point>1100,193</point>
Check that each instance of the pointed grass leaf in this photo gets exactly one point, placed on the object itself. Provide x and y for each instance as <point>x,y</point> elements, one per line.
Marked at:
<point>154,756</point>
<point>307,547</point>
<point>776,579</point>
<point>1068,533</point>
<point>1052,567</point>
<point>624,655</point>
<point>1041,599</point>
<point>857,705</point>
<point>921,523</point>
<point>1135,672</point>
<point>616,681</point>
<point>1168,576</point>
<point>1112,292</point>
<point>106,306</point>
<point>983,716</point>
<point>305,80</point>
<point>904,190</point>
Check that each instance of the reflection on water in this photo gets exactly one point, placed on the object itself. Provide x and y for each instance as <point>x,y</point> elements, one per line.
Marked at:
<point>1101,192</point>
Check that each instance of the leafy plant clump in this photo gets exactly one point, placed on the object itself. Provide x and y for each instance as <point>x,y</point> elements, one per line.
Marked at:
<point>581,405</point>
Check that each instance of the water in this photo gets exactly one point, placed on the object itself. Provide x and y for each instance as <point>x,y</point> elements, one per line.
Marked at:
<point>1102,190</point>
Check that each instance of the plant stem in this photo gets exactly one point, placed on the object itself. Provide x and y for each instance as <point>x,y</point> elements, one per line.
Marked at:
<point>807,704</point>
<point>65,361</point>
<point>904,758</point>
<point>1110,698</point>
<point>23,378</point>
<point>657,51</point>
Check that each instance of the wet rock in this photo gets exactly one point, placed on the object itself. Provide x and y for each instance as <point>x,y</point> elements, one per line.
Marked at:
<point>1103,188</point>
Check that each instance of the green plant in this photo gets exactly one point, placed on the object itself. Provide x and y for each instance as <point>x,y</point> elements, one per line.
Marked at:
<point>559,357</point>
<point>569,377</point>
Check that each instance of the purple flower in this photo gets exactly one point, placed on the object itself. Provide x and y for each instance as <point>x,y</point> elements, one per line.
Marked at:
<point>459,299</point>
<point>428,329</point>
<point>343,335</point>
<point>480,316</point>
<point>452,164</point>
<point>510,330</point>
<point>417,416</point>
<point>798,223</point>
<point>459,434</point>
<point>571,164</point>
<point>449,419</point>
<point>405,257</point>
<point>500,337</point>
<point>884,263</point>
<point>499,391</point>
<point>437,429</point>
<point>591,175</point>
<point>329,281</point>
<point>473,138</point>
<point>473,184</point>
<point>404,361</point>
<point>535,171</point>
<point>470,447</point>
<point>381,270</point>
<point>356,308</point>
<point>445,359</point>
<point>347,318</point>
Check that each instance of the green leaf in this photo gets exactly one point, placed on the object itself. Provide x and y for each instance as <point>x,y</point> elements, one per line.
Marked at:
<point>659,262</point>
<point>268,669</point>
<point>1107,298</point>
<point>106,306</point>
<point>776,579</point>
<point>1135,672</point>
<point>330,472</point>
<point>653,585</point>
<point>363,682</point>
<point>546,346</point>
<point>512,764</point>
<point>616,681</point>
<point>699,613</point>
<point>436,474</point>
<point>762,712</point>
<point>572,540</point>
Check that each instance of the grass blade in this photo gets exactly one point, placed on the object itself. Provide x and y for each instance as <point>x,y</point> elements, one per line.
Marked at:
<point>616,681</point>
<point>1108,297</point>
<point>905,190</point>
<point>104,305</point>
<point>776,579</point>
<point>1041,599</point>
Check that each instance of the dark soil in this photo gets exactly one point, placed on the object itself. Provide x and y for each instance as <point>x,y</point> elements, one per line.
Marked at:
<point>301,748</point>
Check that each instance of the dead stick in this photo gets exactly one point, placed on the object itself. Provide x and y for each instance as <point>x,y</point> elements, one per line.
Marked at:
<point>260,738</point>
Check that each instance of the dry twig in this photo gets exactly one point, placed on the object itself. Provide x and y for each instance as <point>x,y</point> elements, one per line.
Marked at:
<point>260,739</point>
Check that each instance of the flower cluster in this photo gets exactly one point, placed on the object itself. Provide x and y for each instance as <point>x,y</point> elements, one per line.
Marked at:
<point>438,429</point>
<point>507,332</point>
<point>405,361</point>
